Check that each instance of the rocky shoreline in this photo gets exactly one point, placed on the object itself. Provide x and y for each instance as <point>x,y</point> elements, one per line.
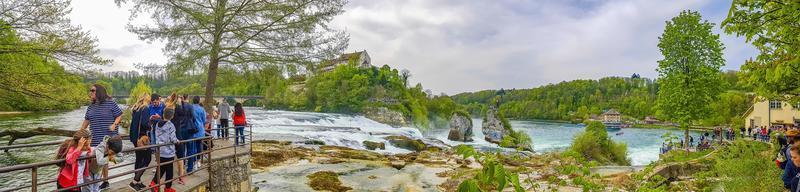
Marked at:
<point>287,166</point>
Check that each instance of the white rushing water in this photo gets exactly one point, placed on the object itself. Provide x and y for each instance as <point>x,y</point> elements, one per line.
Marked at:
<point>333,129</point>
<point>352,130</point>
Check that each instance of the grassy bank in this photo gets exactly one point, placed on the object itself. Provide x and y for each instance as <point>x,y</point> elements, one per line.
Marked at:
<point>740,166</point>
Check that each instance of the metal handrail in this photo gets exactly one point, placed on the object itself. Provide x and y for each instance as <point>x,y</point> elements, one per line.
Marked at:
<point>34,166</point>
<point>9,147</point>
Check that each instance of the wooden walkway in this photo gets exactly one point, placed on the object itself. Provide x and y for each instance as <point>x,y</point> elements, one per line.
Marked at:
<point>191,182</point>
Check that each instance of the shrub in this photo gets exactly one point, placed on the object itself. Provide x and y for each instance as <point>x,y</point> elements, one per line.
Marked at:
<point>594,144</point>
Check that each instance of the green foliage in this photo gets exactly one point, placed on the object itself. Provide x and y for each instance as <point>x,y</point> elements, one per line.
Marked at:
<point>30,81</point>
<point>690,71</point>
<point>141,88</point>
<point>769,26</point>
<point>594,145</point>
<point>569,100</point>
<point>350,89</point>
<point>727,109</point>
<point>493,176</point>
<point>748,167</point>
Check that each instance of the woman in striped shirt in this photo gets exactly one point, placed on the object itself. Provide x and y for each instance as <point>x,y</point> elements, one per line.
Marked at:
<point>102,118</point>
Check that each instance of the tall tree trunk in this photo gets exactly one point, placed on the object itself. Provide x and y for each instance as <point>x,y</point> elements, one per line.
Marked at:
<point>213,64</point>
<point>210,81</point>
<point>686,138</point>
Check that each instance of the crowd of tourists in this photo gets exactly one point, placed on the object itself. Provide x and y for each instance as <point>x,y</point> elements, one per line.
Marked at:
<point>169,123</point>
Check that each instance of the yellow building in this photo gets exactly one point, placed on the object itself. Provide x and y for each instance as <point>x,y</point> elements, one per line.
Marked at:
<point>766,113</point>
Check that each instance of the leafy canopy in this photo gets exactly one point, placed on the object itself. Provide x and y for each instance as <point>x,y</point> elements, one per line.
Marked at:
<point>689,73</point>
<point>771,26</point>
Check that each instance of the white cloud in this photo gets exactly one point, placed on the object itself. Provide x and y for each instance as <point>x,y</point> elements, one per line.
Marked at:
<point>455,46</point>
<point>107,22</point>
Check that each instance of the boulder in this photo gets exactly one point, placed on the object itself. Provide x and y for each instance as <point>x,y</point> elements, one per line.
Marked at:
<point>493,128</point>
<point>460,128</point>
<point>348,153</point>
<point>385,116</point>
<point>374,145</point>
<point>406,143</point>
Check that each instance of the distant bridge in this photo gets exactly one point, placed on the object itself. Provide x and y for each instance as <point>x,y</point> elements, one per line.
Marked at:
<point>218,98</point>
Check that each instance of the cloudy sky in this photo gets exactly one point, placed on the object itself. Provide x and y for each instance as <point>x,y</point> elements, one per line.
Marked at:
<point>454,46</point>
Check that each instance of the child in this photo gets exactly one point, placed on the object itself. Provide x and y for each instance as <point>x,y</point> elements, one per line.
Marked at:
<point>72,170</point>
<point>103,153</point>
<point>165,133</point>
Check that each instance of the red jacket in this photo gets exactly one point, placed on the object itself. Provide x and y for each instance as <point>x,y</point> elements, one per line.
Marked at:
<point>67,176</point>
<point>239,120</point>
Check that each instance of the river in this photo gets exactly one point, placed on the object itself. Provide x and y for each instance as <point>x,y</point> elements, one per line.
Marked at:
<point>333,129</point>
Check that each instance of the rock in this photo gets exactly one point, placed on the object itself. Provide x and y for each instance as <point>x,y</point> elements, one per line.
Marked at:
<point>270,157</point>
<point>326,180</point>
<point>314,142</point>
<point>273,142</point>
<point>348,153</point>
<point>406,143</point>
<point>385,116</point>
<point>397,164</point>
<point>460,128</point>
<point>493,128</point>
<point>374,145</point>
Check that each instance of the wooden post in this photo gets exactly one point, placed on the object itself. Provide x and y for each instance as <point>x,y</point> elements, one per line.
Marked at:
<point>34,181</point>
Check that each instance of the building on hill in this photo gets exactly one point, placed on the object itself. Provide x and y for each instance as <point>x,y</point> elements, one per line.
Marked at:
<point>611,119</point>
<point>361,59</point>
<point>765,112</point>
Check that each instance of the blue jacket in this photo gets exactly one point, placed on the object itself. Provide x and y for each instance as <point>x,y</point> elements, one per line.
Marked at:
<point>139,123</point>
<point>199,121</point>
<point>790,171</point>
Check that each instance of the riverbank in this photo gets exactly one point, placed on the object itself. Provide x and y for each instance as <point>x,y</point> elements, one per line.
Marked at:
<point>287,166</point>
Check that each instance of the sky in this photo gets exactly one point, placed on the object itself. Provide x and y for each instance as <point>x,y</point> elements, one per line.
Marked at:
<point>453,46</point>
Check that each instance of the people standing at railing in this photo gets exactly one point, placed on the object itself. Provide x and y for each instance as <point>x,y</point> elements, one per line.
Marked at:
<point>199,122</point>
<point>139,131</point>
<point>239,122</point>
<point>183,121</point>
<point>165,134</point>
<point>72,170</point>
<point>207,144</point>
<point>214,120</point>
<point>224,114</point>
<point>103,154</point>
<point>102,118</point>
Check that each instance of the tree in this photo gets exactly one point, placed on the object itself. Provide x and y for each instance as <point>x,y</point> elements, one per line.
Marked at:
<point>141,88</point>
<point>771,26</point>
<point>240,34</point>
<point>30,82</point>
<point>690,71</point>
<point>46,30</point>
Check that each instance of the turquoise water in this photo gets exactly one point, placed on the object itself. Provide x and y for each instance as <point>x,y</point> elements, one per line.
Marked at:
<point>643,144</point>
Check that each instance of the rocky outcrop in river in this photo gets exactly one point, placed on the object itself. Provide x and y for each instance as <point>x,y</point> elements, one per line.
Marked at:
<point>460,128</point>
<point>493,128</point>
<point>385,116</point>
<point>283,166</point>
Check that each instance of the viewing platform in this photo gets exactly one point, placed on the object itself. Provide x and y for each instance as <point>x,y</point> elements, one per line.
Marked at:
<point>223,167</point>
